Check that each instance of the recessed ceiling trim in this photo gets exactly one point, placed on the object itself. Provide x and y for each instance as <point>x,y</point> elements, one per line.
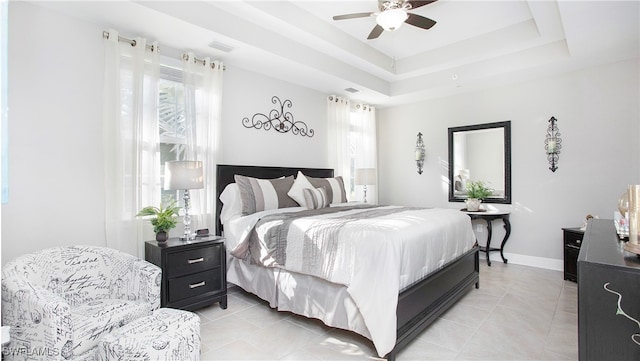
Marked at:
<point>507,40</point>
<point>214,18</point>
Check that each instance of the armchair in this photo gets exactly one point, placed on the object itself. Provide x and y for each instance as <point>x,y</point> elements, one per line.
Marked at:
<point>61,300</point>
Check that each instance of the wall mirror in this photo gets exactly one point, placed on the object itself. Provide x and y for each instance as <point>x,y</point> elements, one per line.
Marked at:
<point>480,152</point>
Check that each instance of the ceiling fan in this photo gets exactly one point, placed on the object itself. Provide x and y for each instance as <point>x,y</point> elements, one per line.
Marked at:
<point>393,13</point>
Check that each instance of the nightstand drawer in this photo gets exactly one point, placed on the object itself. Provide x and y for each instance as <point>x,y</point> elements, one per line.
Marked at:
<point>194,285</point>
<point>192,261</point>
<point>573,239</point>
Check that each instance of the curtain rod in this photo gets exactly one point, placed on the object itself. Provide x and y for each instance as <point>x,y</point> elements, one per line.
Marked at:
<point>185,56</point>
<point>105,34</point>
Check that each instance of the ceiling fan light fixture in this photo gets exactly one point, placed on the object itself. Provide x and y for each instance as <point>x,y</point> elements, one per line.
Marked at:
<point>391,19</point>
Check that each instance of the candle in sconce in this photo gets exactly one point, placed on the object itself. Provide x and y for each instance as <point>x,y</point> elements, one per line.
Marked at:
<point>418,154</point>
<point>551,146</point>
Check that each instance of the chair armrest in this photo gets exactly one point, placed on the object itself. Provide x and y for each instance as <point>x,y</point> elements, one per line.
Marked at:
<point>40,320</point>
<point>144,280</point>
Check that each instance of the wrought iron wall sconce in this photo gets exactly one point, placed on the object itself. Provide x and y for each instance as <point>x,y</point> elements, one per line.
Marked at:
<point>553,144</point>
<point>420,153</point>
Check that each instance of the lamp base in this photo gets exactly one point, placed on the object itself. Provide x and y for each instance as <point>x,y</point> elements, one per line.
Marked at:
<point>186,220</point>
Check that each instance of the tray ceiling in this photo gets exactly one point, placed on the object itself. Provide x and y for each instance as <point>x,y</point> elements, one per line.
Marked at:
<point>475,44</point>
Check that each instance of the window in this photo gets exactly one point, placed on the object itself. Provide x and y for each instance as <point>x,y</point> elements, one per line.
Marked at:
<point>171,122</point>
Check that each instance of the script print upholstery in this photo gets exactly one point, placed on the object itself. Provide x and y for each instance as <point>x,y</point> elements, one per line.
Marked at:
<point>168,335</point>
<point>61,300</point>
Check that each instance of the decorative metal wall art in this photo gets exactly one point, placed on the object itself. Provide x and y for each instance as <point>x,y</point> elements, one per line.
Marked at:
<point>553,144</point>
<point>420,153</point>
<point>278,120</point>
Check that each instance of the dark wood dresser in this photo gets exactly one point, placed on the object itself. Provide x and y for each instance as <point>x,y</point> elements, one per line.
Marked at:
<point>194,273</point>
<point>608,296</point>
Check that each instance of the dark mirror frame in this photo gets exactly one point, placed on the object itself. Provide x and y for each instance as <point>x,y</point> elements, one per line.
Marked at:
<point>507,160</point>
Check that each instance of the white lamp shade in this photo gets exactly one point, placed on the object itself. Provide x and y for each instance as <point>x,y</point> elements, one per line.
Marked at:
<point>183,174</point>
<point>391,19</point>
<point>365,176</point>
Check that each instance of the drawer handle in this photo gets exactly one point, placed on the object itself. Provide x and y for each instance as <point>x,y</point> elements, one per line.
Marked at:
<point>196,285</point>
<point>197,260</point>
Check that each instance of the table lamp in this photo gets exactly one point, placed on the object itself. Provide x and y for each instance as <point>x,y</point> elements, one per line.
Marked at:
<point>364,177</point>
<point>184,175</point>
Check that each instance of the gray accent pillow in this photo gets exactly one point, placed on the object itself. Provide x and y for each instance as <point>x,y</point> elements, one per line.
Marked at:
<point>316,198</point>
<point>334,186</point>
<point>261,194</point>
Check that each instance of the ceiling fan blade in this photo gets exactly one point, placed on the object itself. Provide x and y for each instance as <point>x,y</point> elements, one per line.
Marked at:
<point>417,3</point>
<point>420,21</point>
<point>377,30</point>
<point>352,16</point>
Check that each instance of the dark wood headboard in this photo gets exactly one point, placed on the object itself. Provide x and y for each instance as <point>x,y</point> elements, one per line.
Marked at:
<point>225,173</point>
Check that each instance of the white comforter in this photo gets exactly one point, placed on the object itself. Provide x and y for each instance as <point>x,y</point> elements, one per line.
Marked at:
<point>378,257</point>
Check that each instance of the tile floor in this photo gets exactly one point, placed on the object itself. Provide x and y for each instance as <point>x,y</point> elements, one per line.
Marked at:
<point>519,313</point>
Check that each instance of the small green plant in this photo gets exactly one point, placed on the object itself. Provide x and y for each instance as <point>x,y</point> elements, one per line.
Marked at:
<point>478,190</point>
<point>164,217</point>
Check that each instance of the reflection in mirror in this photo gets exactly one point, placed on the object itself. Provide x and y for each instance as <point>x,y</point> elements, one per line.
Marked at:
<point>480,152</point>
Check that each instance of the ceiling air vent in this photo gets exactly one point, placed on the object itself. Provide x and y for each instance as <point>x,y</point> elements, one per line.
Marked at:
<point>220,46</point>
<point>352,90</point>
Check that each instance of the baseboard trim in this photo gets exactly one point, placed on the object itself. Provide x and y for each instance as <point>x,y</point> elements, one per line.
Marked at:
<point>524,260</point>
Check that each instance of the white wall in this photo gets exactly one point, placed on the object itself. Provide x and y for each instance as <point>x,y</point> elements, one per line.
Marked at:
<point>598,112</point>
<point>55,71</point>
<point>55,66</point>
<point>247,93</point>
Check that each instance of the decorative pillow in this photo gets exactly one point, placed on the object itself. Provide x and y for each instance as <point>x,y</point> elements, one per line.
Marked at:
<point>297,189</point>
<point>334,187</point>
<point>231,202</point>
<point>261,194</point>
<point>316,198</point>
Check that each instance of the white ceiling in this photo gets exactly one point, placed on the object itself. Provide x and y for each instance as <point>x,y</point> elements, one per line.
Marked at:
<point>475,43</point>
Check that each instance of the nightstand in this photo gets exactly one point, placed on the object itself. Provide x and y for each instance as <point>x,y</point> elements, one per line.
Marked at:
<point>572,239</point>
<point>194,273</point>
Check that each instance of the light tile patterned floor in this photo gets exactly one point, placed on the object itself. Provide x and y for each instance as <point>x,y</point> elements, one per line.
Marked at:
<point>519,313</point>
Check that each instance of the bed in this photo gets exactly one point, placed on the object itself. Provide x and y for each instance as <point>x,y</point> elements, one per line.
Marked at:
<point>415,305</point>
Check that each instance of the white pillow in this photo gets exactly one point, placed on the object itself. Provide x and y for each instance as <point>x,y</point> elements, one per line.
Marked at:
<point>231,203</point>
<point>297,189</point>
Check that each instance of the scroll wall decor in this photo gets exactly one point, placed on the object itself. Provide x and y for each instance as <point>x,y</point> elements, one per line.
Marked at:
<point>278,120</point>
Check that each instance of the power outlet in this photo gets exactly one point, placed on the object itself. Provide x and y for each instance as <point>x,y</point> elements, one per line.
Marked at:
<point>479,228</point>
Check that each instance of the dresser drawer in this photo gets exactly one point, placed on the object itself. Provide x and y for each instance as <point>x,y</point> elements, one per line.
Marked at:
<point>194,285</point>
<point>192,261</point>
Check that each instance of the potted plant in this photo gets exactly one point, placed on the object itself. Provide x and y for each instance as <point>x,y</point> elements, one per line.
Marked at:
<point>476,192</point>
<point>164,219</point>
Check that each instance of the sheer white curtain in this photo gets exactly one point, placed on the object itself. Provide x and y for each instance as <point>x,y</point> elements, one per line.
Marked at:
<point>365,146</point>
<point>131,157</point>
<point>339,116</point>
<point>203,104</point>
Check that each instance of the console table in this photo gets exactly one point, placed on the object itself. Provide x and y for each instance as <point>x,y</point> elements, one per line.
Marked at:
<point>489,217</point>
